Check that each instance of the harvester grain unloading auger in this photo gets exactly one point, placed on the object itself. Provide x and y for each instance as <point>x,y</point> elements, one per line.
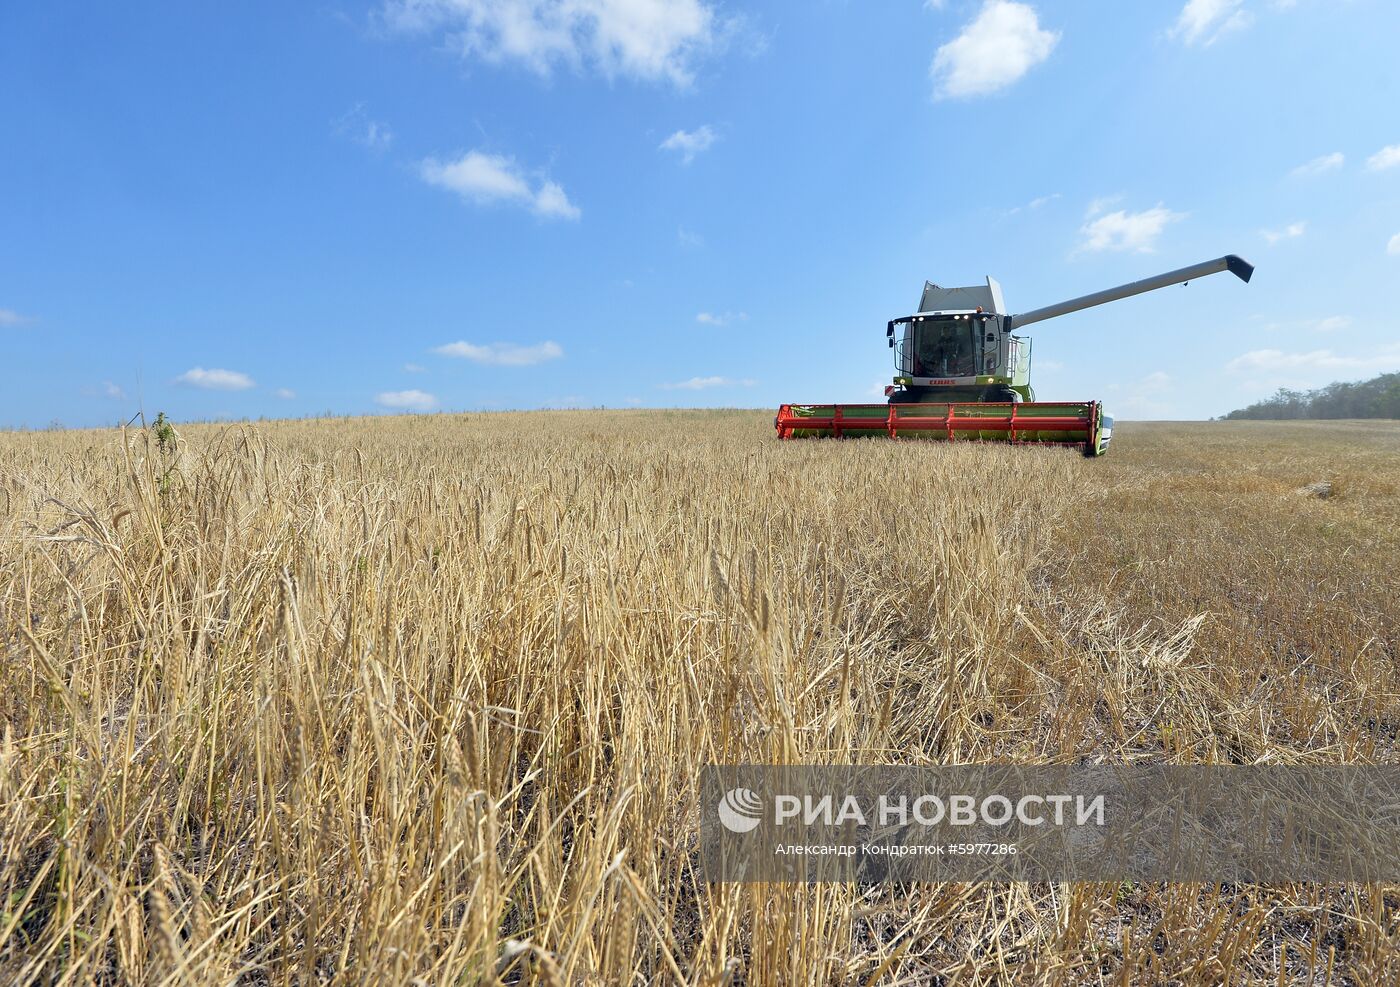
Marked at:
<point>964,375</point>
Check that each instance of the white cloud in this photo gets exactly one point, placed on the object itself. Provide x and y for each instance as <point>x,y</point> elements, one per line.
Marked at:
<point>651,40</point>
<point>406,400</point>
<point>1387,357</point>
<point>1320,166</point>
<point>1123,230</point>
<point>503,354</point>
<point>1393,247</point>
<point>1034,204</point>
<point>216,380</point>
<point>1386,157</point>
<point>1003,43</point>
<point>704,383</point>
<point>285,393</point>
<point>112,391</point>
<point>551,201</point>
<point>414,368</point>
<point>1146,398</point>
<point>689,143</point>
<point>375,136</point>
<point>482,177</point>
<point>720,319</point>
<point>358,127</point>
<point>1204,22</point>
<point>1289,232</point>
<point>11,319</point>
<point>1331,323</point>
<point>490,178</point>
<point>689,238</point>
<point>1101,203</point>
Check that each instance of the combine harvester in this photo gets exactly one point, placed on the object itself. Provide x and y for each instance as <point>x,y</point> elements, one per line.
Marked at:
<point>964,376</point>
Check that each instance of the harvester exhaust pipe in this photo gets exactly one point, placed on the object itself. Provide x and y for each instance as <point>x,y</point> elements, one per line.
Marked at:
<point>1237,266</point>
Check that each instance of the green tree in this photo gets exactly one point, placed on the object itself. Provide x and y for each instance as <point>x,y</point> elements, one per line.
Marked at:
<point>1375,398</point>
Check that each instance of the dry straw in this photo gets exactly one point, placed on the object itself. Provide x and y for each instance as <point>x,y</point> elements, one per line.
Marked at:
<point>424,699</point>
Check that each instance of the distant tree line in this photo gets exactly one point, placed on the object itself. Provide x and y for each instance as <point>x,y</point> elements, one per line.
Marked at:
<point>1375,398</point>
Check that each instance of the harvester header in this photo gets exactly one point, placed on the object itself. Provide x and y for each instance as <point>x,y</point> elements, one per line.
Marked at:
<point>964,374</point>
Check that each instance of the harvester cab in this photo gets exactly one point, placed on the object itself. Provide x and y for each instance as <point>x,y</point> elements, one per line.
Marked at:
<point>963,372</point>
<point>959,343</point>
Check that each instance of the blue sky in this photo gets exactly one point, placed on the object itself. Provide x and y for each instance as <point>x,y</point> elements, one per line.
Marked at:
<point>271,209</point>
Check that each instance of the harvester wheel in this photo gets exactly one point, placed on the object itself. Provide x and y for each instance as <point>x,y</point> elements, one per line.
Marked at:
<point>1000,395</point>
<point>903,396</point>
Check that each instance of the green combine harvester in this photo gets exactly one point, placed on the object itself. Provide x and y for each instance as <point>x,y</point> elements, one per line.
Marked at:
<point>965,376</point>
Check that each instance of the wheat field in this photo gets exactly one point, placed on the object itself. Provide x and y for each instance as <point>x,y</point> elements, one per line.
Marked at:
<point>424,699</point>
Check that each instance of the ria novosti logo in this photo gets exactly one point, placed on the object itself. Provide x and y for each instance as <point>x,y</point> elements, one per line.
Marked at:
<point>740,810</point>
